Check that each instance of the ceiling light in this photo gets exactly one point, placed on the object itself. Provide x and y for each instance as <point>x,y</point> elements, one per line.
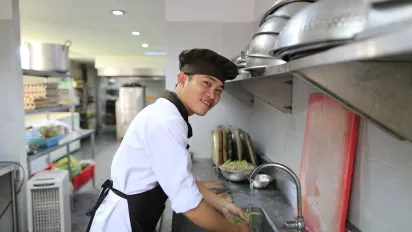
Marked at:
<point>155,53</point>
<point>145,45</point>
<point>135,33</point>
<point>117,12</point>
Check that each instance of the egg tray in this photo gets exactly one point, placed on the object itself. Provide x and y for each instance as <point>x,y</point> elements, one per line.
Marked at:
<point>41,85</point>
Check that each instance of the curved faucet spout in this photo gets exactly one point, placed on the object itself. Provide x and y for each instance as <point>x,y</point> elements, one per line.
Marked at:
<point>299,224</point>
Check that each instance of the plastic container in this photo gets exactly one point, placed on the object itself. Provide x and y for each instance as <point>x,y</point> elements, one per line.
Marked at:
<point>82,178</point>
<point>51,142</point>
<point>35,142</point>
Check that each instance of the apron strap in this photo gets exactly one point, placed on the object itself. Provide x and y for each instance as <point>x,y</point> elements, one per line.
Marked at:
<point>120,194</point>
<point>107,185</point>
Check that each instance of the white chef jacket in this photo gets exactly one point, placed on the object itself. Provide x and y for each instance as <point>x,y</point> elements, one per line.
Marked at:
<point>153,151</point>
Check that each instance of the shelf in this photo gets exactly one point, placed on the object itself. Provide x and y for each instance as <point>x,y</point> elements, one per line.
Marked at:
<point>51,109</point>
<point>6,168</point>
<point>276,91</point>
<point>237,91</point>
<point>36,73</point>
<point>74,136</point>
<point>371,76</point>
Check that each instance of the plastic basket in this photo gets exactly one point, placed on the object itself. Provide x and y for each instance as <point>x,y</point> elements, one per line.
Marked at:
<point>35,142</point>
<point>83,177</point>
<point>51,142</point>
<point>80,179</point>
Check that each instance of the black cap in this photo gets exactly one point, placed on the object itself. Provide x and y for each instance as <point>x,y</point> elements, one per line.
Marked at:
<point>207,62</point>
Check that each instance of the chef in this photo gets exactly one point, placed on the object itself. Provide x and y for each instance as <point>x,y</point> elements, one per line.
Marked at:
<point>153,164</point>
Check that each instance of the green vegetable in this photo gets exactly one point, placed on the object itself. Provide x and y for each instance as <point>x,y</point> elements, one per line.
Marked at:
<point>237,165</point>
<point>238,220</point>
<point>53,134</point>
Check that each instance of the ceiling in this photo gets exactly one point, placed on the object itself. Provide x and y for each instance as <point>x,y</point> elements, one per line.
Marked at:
<point>93,29</point>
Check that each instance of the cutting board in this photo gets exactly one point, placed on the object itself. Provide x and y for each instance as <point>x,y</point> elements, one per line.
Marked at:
<point>213,184</point>
<point>327,162</point>
<point>218,184</point>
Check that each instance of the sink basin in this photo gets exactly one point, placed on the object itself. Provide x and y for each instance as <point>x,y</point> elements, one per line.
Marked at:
<point>261,223</point>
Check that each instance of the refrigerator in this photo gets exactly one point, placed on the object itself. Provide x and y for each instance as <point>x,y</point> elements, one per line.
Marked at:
<point>132,99</point>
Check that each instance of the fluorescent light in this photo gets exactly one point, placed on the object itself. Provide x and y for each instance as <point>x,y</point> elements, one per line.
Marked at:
<point>135,33</point>
<point>145,45</point>
<point>117,12</point>
<point>155,53</point>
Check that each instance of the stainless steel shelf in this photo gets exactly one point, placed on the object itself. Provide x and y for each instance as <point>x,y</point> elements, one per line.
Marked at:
<point>6,168</point>
<point>275,90</point>
<point>74,136</point>
<point>371,76</point>
<point>237,91</point>
<point>43,73</point>
<point>51,109</point>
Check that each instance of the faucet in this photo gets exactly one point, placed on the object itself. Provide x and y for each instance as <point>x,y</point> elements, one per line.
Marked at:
<point>299,223</point>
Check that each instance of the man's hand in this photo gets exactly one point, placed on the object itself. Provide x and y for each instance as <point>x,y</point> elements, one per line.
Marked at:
<point>231,210</point>
<point>207,217</point>
<point>228,209</point>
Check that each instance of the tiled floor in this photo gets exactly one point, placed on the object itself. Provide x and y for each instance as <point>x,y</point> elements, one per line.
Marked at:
<point>84,198</point>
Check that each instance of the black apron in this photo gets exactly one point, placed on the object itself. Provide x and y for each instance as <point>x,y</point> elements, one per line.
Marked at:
<point>145,208</point>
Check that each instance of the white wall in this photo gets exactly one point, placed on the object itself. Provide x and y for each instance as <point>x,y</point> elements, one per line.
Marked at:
<point>382,182</point>
<point>225,38</point>
<point>12,136</point>
<point>260,7</point>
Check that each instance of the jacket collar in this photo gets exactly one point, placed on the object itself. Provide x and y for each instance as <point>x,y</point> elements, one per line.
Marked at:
<point>174,99</point>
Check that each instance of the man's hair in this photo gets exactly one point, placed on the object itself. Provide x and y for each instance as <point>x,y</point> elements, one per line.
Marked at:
<point>189,76</point>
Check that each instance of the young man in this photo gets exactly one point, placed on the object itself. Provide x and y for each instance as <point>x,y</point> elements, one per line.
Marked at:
<point>153,164</point>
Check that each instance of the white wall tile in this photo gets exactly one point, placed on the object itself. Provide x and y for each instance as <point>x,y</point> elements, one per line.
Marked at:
<point>278,135</point>
<point>229,111</point>
<point>389,151</point>
<point>380,195</point>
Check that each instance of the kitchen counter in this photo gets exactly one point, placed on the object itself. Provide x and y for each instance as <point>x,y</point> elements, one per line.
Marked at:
<point>270,199</point>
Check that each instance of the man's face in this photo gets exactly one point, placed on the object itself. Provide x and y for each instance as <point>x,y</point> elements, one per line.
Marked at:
<point>201,93</point>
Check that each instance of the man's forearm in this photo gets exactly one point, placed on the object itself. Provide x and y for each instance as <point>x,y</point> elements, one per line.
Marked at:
<point>206,217</point>
<point>211,198</point>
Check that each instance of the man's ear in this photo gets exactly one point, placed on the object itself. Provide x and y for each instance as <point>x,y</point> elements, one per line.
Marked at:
<point>181,79</point>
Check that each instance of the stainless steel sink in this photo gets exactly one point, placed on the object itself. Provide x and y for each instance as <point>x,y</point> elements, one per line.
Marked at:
<point>261,223</point>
